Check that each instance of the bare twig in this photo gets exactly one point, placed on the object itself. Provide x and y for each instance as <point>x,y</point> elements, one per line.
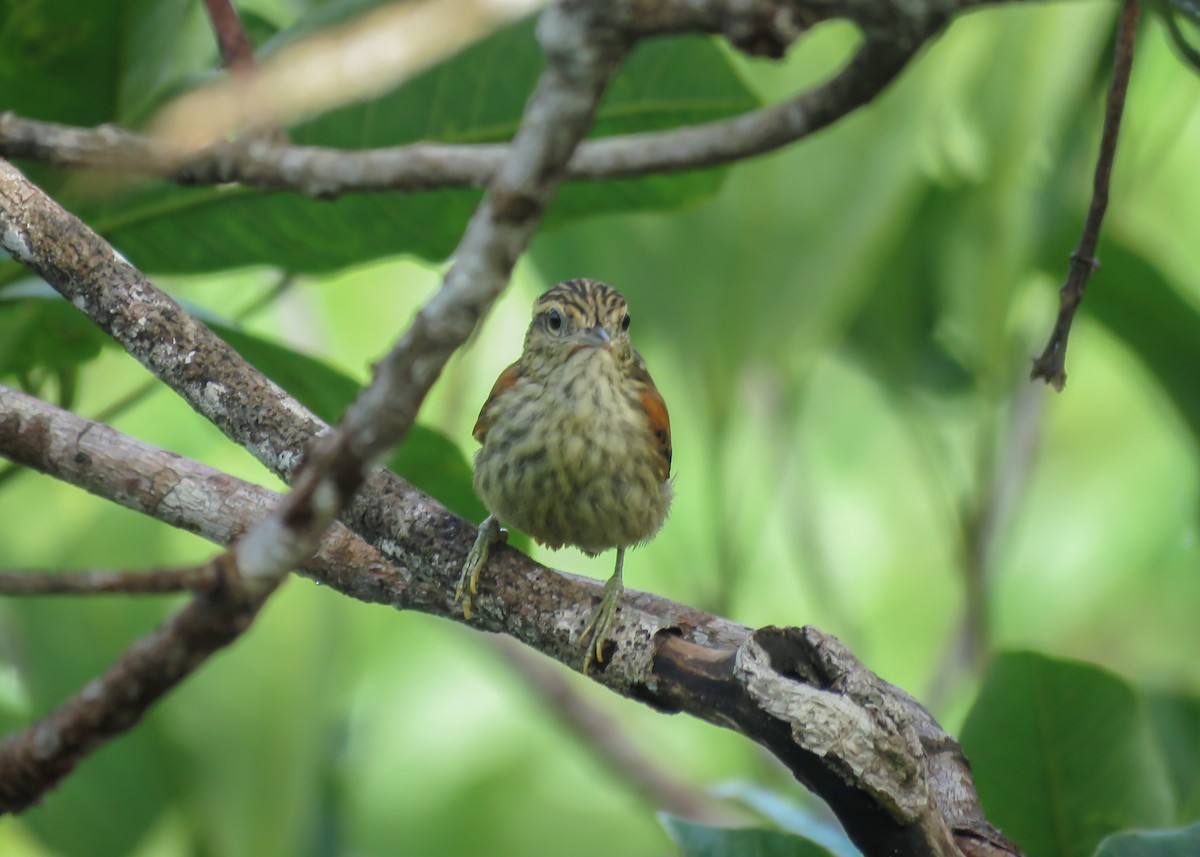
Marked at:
<point>197,578</point>
<point>326,172</point>
<point>901,787</point>
<point>236,51</point>
<point>1050,366</point>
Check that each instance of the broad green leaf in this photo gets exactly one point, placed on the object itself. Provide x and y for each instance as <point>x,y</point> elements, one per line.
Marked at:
<point>702,840</point>
<point>477,96</point>
<point>1133,298</point>
<point>44,332</point>
<point>895,331</point>
<point>1063,755</point>
<point>1190,807</point>
<point>426,458</point>
<point>1152,843</point>
<point>85,62</point>
<point>1176,720</point>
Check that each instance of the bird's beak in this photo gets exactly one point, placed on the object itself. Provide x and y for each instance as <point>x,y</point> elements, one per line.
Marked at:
<point>595,336</point>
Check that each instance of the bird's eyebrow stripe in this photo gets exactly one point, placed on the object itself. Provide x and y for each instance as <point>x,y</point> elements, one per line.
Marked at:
<point>583,298</point>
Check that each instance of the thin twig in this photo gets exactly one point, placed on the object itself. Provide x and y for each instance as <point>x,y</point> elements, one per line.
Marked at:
<point>237,54</point>
<point>325,172</point>
<point>1050,366</point>
<point>197,578</point>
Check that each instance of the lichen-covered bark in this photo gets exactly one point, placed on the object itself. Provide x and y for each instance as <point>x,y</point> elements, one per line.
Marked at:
<point>897,781</point>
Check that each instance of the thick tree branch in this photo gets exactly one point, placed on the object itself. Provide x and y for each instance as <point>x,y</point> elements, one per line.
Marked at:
<point>1050,366</point>
<point>182,494</point>
<point>197,578</point>
<point>897,781</point>
<point>582,53</point>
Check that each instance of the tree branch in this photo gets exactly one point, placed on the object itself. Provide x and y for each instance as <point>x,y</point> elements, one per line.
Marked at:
<point>582,53</point>
<point>1050,366</point>
<point>897,781</point>
<point>327,173</point>
<point>237,53</point>
<point>198,578</point>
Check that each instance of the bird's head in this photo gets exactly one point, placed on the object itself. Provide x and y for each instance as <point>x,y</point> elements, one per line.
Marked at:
<point>578,316</point>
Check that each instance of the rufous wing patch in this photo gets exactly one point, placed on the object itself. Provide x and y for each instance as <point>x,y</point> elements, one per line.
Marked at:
<point>660,427</point>
<point>508,379</point>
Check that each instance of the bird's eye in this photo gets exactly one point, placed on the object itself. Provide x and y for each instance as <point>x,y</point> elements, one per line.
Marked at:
<point>554,320</point>
<point>625,322</point>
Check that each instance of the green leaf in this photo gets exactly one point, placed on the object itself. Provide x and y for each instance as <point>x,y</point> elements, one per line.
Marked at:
<point>702,840</point>
<point>426,458</point>
<point>895,332</point>
<point>1133,298</point>
<point>477,96</point>
<point>1063,755</point>
<point>85,62</point>
<point>1176,720</point>
<point>1176,15</point>
<point>1189,808</point>
<point>44,332</point>
<point>1155,843</point>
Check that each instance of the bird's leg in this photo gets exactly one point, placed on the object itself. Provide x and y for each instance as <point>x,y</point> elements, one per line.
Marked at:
<point>489,534</point>
<point>595,633</point>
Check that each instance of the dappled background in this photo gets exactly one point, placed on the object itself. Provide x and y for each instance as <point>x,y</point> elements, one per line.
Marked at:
<point>843,332</point>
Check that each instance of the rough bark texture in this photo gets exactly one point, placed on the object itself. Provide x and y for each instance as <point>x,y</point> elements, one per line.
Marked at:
<point>897,781</point>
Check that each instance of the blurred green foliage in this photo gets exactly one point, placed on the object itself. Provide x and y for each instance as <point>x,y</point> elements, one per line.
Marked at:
<point>843,332</point>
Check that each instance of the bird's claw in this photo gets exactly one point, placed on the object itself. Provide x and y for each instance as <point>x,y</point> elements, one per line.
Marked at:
<point>596,632</point>
<point>489,534</point>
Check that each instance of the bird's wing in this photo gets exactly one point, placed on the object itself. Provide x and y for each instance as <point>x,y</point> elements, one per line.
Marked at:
<point>656,415</point>
<point>508,378</point>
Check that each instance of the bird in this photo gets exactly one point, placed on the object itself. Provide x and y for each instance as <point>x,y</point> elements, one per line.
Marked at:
<point>575,444</point>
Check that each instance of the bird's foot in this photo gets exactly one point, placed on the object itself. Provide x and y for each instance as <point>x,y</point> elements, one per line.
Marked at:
<point>595,634</point>
<point>490,533</point>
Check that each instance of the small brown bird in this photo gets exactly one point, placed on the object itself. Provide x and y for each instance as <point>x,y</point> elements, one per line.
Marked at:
<point>576,443</point>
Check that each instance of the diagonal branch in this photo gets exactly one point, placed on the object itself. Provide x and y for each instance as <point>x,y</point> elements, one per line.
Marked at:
<point>900,787</point>
<point>582,53</point>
